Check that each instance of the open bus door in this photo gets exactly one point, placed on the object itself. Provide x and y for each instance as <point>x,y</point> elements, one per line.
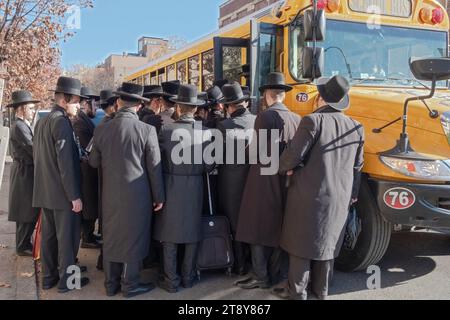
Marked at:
<point>263,53</point>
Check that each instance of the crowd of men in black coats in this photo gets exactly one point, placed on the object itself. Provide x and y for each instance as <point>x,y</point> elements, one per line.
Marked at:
<point>289,225</point>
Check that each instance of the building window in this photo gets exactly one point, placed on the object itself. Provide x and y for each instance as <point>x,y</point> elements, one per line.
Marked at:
<point>171,73</point>
<point>181,71</point>
<point>207,69</point>
<point>194,70</point>
<point>242,13</point>
<point>261,4</point>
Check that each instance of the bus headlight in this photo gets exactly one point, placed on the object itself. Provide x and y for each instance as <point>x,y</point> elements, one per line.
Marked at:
<point>435,170</point>
<point>445,120</point>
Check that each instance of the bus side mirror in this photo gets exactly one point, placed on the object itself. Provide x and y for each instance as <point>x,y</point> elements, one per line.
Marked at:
<point>314,24</point>
<point>313,62</point>
<point>432,69</point>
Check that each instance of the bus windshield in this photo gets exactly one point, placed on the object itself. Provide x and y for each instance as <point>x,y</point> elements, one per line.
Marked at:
<point>369,54</point>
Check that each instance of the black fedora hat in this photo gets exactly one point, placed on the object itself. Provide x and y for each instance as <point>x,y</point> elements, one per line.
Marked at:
<point>153,91</point>
<point>335,92</point>
<point>233,94</point>
<point>69,86</point>
<point>170,88</point>
<point>214,94</point>
<point>107,98</point>
<point>220,83</point>
<point>207,102</point>
<point>188,95</point>
<point>89,93</point>
<point>276,81</point>
<point>21,97</point>
<point>131,92</point>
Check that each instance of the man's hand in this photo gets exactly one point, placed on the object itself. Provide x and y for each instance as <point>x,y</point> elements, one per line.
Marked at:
<point>77,206</point>
<point>290,173</point>
<point>354,201</point>
<point>158,207</point>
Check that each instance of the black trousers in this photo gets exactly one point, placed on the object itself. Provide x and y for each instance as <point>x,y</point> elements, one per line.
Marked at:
<point>125,275</point>
<point>302,271</point>
<point>269,264</point>
<point>59,244</point>
<point>24,232</point>
<point>170,255</point>
<point>88,229</point>
<point>241,254</point>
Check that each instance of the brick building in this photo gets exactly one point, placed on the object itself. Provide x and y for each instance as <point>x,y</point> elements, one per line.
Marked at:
<point>233,10</point>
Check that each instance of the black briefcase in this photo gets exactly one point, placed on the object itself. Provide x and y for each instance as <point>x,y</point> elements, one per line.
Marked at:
<point>216,249</point>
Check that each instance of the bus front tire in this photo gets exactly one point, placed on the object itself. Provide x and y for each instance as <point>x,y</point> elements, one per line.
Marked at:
<point>374,239</point>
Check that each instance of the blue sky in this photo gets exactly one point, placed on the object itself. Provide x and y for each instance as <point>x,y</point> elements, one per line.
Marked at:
<point>114,26</point>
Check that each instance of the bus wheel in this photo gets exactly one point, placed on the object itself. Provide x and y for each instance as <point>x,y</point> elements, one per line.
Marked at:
<point>374,238</point>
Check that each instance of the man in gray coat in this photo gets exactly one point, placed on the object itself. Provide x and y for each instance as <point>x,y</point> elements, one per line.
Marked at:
<point>57,186</point>
<point>127,151</point>
<point>324,161</point>
<point>237,130</point>
<point>22,172</point>
<point>261,214</point>
<point>182,143</point>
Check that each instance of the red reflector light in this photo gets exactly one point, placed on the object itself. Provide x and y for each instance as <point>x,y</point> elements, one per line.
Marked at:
<point>437,16</point>
<point>322,4</point>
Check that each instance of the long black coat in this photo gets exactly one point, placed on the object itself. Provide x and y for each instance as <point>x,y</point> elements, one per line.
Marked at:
<point>84,130</point>
<point>127,151</point>
<point>262,211</point>
<point>180,220</point>
<point>330,146</point>
<point>22,174</point>
<point>232,177</point>
<point>149,117</point>
<point>57,173</point>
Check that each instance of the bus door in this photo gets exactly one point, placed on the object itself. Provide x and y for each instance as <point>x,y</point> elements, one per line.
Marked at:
<point>230,55</point>
<point>267,46</point>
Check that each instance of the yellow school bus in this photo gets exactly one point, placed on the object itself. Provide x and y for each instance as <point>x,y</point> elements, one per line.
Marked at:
<point>370,42</point>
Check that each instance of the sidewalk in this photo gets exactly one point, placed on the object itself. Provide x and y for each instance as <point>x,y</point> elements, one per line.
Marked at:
<point>17,277</point>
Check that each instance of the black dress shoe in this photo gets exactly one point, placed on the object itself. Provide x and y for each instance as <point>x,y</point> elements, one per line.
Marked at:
<point>25,253</point>
<point>284,294</point>
<point>48,285</point>
<point>83,282</point>
<point>242,281</point>
<point>113,292</point>
<point>91,245</point>
<point>167,286</point>
<point>138,291</point>
<point>254,284</point>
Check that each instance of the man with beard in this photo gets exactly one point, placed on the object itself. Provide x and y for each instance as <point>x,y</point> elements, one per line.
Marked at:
<point>127,150</point>
<point>170,90</point>
<point>57,186</point>
<point>21,210</point>
<point>150,113</point>
<point>261,214</point>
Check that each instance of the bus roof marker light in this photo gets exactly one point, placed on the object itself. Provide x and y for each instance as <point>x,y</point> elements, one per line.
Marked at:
<point>333,5</point>
<point>425,15</point>
<point>437,16</point>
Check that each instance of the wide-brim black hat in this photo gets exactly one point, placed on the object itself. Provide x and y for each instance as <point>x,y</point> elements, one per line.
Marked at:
<point>170,88</point>
<point>214,94</point>
<point>208,103</point>
<point>233,94</point>
<point>276,81</point>
<point>69,86</point>
<point>334,91</point>
<point>107,98</point>
<point>131,92</point>
<point>153,91</point>
<point>188,95</point>
<point>21,97</point>
<point>89,93</point>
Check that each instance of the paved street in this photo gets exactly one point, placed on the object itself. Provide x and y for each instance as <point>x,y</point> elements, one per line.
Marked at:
<point>417,266</point>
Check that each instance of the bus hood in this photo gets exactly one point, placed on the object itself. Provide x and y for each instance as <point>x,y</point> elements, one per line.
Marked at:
<point>386,105</point>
